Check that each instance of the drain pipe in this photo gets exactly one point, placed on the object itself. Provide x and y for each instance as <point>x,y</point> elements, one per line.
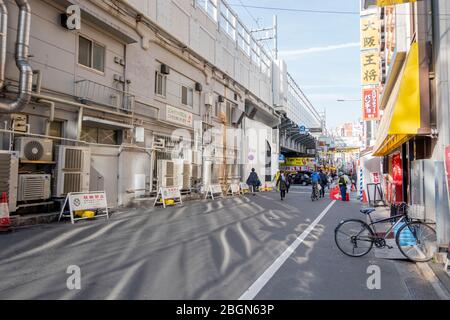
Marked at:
<point>51,104</point>
<point>3,42</point>
<point>21,56</point>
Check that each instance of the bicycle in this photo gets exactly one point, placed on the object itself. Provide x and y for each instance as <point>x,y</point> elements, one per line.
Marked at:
<point>415,239</point>
<point>315,192</point>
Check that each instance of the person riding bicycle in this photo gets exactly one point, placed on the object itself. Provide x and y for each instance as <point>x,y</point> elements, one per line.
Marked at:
<point>315,179</point>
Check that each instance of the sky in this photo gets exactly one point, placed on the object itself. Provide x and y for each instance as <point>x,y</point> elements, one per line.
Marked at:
<point>321,50</point>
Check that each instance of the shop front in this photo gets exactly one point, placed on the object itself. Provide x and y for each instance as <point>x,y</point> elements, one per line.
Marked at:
<point>403,130</point>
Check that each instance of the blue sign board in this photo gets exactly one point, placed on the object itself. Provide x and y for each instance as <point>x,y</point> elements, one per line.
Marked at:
<point>302,130</point>
<point>282,158</point>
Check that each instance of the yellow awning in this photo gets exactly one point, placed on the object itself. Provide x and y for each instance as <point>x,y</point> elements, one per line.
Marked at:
<point>401,118</point>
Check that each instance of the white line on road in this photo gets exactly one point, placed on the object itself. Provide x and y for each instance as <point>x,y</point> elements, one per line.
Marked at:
<point>259,284</point>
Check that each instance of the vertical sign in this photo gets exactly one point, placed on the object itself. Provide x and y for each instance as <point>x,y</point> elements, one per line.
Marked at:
<point>370,68</point>
<point>371,104</point>
<point>370,33</point>
<point>447,167</point>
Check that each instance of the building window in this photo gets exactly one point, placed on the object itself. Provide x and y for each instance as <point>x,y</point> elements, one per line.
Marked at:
<point>187,96</point>
<point>243,39</point>
<point>210,7</point>
<point>91,54</point>
<point>227,21</point>
<point>99,135</point>
<point>160,84</point>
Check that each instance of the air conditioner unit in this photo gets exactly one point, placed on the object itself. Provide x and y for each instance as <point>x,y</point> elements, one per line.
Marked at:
<point>165,69</point>
<point>221,99</point>
<point>34,149</point>
<point>187,174</point>
<point>72,170</point>
<point>34,187</point>
<point>9,170</point>
<point>198,87</point>
<point>170,173</point>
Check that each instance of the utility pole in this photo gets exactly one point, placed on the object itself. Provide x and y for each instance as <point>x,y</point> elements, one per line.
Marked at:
<point>266,37</point>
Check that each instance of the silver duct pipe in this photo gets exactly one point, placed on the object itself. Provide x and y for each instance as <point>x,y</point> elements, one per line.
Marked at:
<point>3,32</point>
<point>22,47</point>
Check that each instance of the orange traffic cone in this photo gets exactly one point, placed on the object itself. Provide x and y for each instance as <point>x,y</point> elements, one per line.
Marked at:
<point>364,198</point>
<point>5,221</point>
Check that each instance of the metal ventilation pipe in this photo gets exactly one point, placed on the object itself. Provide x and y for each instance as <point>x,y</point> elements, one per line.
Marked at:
<point>21,56</point>
<point>3,31</point>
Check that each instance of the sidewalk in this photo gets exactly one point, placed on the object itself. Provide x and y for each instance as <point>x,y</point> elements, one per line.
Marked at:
<point>432,271</point>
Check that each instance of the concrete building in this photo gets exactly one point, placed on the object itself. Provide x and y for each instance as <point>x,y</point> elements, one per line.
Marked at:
<point>141,94</point>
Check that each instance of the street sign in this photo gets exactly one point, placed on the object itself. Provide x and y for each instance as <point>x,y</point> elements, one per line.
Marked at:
<point>171,193</point>
<point>281,158</point>
<point>302,130</point>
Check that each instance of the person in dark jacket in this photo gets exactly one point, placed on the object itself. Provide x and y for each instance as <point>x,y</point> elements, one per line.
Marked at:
<point>253,181</point>
<point>282,184</point>
<point>323,183</point>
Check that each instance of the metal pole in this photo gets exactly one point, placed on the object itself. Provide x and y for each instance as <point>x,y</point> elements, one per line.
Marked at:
<point>275,38</point>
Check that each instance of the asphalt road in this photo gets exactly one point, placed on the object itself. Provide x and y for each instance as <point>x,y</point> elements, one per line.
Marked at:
<point>202,250</point>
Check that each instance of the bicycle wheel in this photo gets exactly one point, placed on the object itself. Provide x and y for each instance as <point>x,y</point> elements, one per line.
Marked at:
<point>354,238</point>
<point>417,241</point>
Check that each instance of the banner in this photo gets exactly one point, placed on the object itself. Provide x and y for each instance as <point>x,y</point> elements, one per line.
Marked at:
<point>385,3</point>
<point>371,104</point>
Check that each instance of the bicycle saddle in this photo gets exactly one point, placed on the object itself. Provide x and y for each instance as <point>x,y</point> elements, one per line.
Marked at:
<point>368,211</point>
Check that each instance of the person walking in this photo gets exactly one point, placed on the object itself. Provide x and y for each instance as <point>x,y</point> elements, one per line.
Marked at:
<point>282,184</point>
<point>289,181</point>
<point>253,181</point>
<point>323,183</point>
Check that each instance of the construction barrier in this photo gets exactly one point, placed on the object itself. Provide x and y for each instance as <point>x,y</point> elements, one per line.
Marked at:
<point>234,190</point>
<point>244,188</point>
<point>82,203</point>
<point>168,197</point>
<point>335,194</point>
<point>214,191</point>
<point>5,220</point>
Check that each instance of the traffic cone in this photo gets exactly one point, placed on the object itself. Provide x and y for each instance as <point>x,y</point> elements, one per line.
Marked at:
<point>364,198</point>
<point>5,221</point>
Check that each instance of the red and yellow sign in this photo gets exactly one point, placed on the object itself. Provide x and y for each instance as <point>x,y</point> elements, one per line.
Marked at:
<point>371,104</point>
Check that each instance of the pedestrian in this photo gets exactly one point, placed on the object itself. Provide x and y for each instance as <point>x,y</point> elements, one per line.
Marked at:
<point>282,185</point>
<point>323,183</point>
<point>289,181</point>
<point>253,181</point>
<point>343,186</point>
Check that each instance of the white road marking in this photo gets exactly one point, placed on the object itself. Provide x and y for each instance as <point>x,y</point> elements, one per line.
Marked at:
<point>260,283</point>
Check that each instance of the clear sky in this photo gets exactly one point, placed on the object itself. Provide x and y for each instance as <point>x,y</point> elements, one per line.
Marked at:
<point>321,50</point>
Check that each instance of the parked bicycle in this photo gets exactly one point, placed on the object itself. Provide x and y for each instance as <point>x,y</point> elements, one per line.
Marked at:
<point>415,239</point>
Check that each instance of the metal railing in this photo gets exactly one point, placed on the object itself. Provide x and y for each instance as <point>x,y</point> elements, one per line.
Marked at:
<point>88,91</point>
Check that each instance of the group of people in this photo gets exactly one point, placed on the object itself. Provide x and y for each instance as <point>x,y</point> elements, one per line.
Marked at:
<point>319,180</point>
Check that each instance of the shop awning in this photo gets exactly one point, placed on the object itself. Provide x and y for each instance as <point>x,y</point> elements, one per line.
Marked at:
<point>401,119</point>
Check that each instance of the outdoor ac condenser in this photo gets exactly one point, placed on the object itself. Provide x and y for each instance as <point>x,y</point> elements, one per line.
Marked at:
<point>34,149</point>
<point>170,173</point>
<point>72,170</point>
<point>34,187</point>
